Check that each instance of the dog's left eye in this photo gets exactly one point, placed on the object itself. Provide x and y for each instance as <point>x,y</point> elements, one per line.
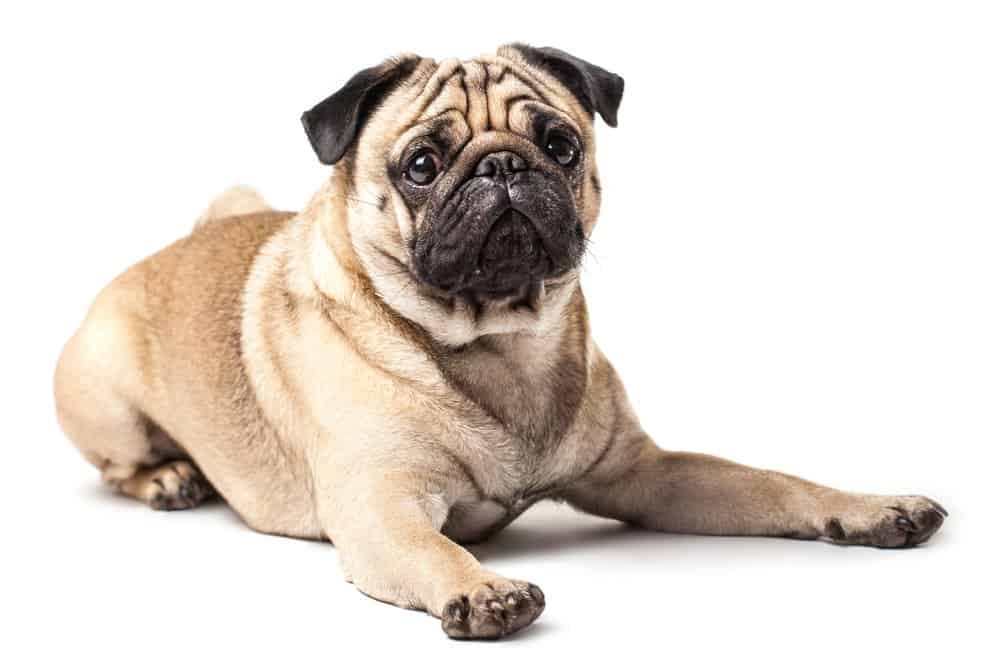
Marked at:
<point>561,149</point>
<point>422,168</point>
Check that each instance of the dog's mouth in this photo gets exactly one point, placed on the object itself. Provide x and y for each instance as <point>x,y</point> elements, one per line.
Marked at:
<point>492,241</point>
<point>512,257</point>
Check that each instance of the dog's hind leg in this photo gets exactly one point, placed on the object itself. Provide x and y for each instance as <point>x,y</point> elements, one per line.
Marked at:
<point>100,390</point>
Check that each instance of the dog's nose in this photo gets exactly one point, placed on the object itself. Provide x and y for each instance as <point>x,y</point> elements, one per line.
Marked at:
<point>501,163</point>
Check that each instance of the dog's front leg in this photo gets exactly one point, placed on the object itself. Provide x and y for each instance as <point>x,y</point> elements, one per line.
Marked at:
<point>387,530</point>
<point>679,492</point>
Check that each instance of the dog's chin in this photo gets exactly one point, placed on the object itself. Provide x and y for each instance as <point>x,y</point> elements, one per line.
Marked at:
<point>526,295</point>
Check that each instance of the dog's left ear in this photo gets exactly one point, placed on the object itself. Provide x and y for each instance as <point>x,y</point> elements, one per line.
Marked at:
<point>333,124</point>
<point>596,88</point>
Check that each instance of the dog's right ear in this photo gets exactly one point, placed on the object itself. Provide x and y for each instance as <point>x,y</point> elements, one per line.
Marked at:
<point>333,124</point>
<point>596,88</point>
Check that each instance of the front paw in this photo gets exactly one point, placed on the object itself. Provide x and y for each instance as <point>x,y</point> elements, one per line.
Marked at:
<point>885,521</point>
<point>492,610</point>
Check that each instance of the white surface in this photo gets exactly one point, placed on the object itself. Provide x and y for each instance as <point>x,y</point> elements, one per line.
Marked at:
<point>797,267</point>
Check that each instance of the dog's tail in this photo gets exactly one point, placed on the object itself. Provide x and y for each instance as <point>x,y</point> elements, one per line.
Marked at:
<point>237,200</point>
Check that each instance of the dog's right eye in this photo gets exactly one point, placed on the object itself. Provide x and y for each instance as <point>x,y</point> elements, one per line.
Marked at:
<point>422,168</point>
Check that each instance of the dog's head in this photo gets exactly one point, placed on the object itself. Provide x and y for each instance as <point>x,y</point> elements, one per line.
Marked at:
<point>473,182</point>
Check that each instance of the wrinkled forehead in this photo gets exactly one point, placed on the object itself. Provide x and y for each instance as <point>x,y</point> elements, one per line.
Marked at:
<point>482,95</point>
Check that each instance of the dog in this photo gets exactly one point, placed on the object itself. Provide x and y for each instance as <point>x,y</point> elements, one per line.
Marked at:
<point>406,365</point>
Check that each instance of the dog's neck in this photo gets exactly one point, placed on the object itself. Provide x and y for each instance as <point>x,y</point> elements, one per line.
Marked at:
<point>531,383</point>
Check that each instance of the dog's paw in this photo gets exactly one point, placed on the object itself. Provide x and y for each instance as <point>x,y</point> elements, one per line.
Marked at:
<point>177,486</point>
<point>886,521</point>
<point>492,610</point>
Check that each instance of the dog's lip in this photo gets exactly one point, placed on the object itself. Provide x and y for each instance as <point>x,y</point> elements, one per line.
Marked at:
<point>508,216</point>
<point>479,282</point>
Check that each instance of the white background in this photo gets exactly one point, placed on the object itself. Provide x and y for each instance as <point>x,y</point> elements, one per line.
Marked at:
<point>797,267</point>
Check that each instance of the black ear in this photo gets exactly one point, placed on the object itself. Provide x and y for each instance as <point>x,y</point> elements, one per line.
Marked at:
<point>333,124</point>
<point>597,89</point>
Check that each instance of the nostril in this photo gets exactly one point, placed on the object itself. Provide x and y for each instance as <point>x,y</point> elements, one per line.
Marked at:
<point>515,163</point>
<point>500,163</point>
<point>486,167</point>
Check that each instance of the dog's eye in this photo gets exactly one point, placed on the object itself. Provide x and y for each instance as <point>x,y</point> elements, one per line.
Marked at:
<point>561,149</point>
<point>422,168</point>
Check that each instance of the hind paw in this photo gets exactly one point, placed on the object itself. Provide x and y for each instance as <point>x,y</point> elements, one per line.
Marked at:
<point>178,485</point>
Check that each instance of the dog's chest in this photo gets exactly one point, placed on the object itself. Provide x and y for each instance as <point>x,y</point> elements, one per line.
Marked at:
<point>506,477</point>
<point>524,394</point>
<point>531,389</point>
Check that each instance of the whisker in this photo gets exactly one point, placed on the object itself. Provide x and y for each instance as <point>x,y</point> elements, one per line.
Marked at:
<point>374,205</point>
<point>588,249</point>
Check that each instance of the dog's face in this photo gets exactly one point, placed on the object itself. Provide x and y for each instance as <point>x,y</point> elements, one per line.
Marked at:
<point>483,177</point>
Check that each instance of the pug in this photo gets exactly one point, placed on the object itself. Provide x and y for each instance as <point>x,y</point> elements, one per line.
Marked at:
<point>406,365</point>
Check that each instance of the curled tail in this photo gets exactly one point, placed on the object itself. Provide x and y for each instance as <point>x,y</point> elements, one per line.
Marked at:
<point>237,200</point>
